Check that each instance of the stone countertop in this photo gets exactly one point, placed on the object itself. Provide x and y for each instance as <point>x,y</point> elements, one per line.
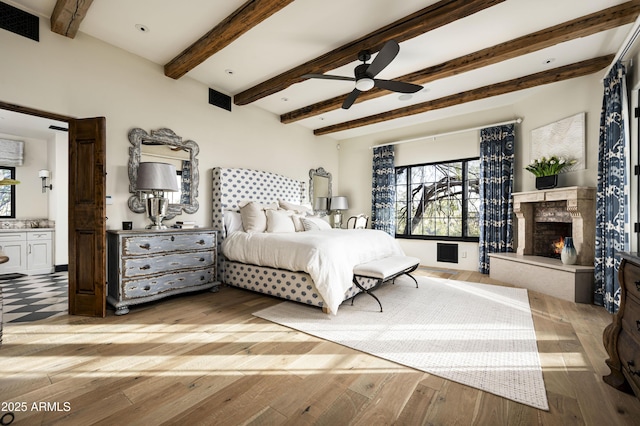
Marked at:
<point>4,230</point>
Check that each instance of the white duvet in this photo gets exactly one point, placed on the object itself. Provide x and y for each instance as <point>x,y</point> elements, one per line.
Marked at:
<point>328,256</point>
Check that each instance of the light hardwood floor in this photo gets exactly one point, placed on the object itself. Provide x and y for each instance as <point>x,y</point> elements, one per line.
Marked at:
<point>204,359</point>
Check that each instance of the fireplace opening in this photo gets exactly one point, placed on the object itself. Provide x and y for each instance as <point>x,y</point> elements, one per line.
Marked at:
<point>548,239</point>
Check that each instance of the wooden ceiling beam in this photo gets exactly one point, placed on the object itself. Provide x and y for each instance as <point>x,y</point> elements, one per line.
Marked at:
<point>425,20</point>
<point>578,69</point>
<point>603,20</point>
<point>233,26</point>
<point>67,16</point>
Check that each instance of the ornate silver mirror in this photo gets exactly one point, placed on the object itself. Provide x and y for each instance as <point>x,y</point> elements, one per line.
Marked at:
<point>319,189</point>
<point>163,145</point>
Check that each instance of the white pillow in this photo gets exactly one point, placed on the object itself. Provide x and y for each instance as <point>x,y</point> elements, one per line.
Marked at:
<point>297,222</point>
<point>298,208</point>
<point>315,224</point>
<point>279,221</point>
<point>232,222</point>
<point>253,216</point>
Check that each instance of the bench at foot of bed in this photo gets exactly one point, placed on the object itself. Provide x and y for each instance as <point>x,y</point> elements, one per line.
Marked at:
<point>384,270</point>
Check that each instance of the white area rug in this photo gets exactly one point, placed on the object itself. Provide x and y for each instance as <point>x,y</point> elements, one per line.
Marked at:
<point>475,334</point>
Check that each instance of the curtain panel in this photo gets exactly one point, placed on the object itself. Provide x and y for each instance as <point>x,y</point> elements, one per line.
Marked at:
<point>612,201</point>
<point>185,184</point>
<point>496,187</point>
<point>383,193</point>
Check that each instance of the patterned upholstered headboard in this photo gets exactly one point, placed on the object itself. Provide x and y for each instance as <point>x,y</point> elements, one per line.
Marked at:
<point>231,186</point>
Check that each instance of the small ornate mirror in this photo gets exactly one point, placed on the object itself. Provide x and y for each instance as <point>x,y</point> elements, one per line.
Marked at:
<point>163,145</point>
<point>319,189</point>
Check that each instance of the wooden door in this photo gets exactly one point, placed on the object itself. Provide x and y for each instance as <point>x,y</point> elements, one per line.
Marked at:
<point>87,227</point>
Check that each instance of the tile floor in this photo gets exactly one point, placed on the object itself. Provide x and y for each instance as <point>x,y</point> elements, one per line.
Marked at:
<point>34,297</point>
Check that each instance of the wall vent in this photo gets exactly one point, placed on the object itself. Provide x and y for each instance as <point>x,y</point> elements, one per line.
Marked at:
<point>447,253</point>
<point>219,99</point>
<point>19,22</point>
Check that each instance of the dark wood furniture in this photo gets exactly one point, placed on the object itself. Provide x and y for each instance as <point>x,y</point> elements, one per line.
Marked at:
<point>622,337</point>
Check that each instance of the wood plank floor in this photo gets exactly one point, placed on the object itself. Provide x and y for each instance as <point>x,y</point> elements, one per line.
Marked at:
<point>204,359</point>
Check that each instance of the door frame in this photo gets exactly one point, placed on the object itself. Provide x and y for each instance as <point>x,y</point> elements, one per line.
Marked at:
<point>69,120</point>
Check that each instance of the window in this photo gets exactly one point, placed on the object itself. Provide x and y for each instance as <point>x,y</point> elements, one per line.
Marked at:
<point>438,200</point>
<point>7,193</point>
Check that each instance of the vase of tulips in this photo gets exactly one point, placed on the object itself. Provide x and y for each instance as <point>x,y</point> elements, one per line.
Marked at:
<point>546,170</point>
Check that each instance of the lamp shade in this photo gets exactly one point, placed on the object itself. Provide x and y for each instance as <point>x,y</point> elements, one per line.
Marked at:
<point>339,203</point>
<point>156,177</point>
<point>44,173</point>
<point>321,204</point>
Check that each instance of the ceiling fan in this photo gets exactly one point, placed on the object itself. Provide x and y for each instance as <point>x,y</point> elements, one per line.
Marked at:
<point>365,73</point>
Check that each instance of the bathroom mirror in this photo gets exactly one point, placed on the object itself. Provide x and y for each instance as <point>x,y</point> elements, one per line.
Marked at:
<point>319,187</point>
<point>164,146</point>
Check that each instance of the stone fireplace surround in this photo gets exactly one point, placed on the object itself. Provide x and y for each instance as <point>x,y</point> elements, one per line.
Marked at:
<point>523,269</point>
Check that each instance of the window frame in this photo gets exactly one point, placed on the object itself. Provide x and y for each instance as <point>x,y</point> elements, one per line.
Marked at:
<point>12,193</point>
<point>465,193</point>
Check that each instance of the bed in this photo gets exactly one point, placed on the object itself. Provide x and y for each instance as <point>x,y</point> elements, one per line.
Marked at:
<point>234,186</point>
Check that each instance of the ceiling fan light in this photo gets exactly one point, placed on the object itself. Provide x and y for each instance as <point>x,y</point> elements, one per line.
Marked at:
<point>364,84</point>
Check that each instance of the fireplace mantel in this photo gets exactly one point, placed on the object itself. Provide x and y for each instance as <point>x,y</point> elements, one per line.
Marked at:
<point>580,203</point>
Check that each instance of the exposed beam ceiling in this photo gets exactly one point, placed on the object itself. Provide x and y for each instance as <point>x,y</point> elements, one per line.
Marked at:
<point>233,26</point>
<point>552,76</point>
<point>581,27</point>
<point>427,19</point>
<point>67,16</point>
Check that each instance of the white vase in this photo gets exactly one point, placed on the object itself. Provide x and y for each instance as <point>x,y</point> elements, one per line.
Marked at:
<point>568,255</point>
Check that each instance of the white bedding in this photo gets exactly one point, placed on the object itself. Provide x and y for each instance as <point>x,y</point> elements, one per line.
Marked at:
<point>328,256</point>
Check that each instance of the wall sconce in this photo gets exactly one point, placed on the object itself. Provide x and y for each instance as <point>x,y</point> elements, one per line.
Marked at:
<point>44,175</point>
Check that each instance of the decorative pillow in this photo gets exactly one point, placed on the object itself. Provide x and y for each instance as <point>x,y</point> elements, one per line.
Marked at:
<point>253,216</point>
<point>315,224</point>
<point>279,221</point>
<point>232,222</point>
<point>297,222</point>
<point>298,208</point>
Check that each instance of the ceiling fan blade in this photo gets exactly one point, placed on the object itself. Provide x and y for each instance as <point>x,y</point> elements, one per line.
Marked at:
<point>387,54</point>
<point>329,77</point>
<point>350,99</point>
<point>397,86</point>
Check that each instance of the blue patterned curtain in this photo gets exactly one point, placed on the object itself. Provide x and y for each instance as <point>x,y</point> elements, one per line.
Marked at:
<point>612,201</point>
<point>496,186</point>
<point>185,187</point>
<point>383,193</point>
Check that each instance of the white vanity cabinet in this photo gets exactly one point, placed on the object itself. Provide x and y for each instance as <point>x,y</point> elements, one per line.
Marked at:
<point>30,251</point>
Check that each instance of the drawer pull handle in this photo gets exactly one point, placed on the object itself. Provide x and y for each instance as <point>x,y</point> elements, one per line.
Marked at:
<point>173,238</point>
<point>201,259</point>
<point>201,242</point>
<point>147,288</point>
<point>201,277</point>
<point>145,267</point>
<point>145,246</point>
<point>631,364</point>
<point>638,324</point>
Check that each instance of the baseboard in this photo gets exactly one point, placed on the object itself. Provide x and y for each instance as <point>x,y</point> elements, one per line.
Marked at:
<point>62,268</point>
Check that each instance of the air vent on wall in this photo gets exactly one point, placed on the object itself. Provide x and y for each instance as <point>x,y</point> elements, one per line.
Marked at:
<point>219,99</point>
<point>62,129</point>
<point>447,253</point>
<point>19,22</point>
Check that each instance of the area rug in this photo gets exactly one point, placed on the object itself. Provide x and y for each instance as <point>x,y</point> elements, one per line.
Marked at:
<point>475,334</point>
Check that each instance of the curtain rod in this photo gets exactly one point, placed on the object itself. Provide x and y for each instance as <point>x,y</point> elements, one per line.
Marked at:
<point>517,120</point>
<point>626,46</point>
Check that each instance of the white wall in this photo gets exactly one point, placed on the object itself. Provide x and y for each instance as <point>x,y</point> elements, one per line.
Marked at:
<point>552,103</point>
<point>85,77</point>
<point>31,203</point>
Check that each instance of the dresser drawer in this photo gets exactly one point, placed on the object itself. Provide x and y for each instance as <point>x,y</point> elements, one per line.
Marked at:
<point>629,351</point>
<point>631,319</point>
<point>631,273</point>
<point>156,286</point>
<point>13,236</point>
<point>36,236</point>
<point>149,265</point>
<point>159,243</point>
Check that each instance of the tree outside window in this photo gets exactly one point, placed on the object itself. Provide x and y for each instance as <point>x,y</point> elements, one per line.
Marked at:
<point>7,193</point>
<point>438,200</point>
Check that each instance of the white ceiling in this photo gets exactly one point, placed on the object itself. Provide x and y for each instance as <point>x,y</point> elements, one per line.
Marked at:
<point>306,29</point>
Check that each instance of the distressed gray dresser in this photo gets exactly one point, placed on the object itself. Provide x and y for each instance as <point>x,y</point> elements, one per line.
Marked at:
<point>145,265</point>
